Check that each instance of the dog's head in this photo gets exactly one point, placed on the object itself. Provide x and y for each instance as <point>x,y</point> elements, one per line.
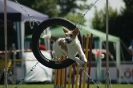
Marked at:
<point>70,35</point>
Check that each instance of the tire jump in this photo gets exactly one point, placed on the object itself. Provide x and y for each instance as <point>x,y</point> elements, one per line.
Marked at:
<point>35,38</point>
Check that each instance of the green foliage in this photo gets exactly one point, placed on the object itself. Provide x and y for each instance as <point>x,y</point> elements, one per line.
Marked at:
<point>120,25</point>
<point>46,6</point>
<point>59,8</point>
<point>75,18</point>
<point>99,20</point>
<point>26,2</point>
<point>67,6</point>
<point>128,5</point>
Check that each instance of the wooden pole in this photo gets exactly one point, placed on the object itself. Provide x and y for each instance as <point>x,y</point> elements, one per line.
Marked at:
<point>107,58</point>
<point>90,59</point>
<point>14,64</point>
<point>86,53</point>
<point>5,33</point>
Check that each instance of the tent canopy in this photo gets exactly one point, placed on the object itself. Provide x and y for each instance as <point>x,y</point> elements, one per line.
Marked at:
<point>58,32</point>
<point>16,13</point>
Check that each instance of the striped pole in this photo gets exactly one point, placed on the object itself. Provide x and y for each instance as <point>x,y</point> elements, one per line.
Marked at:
<point>63,76</point>
<point>86,53</point>
<point>83,45</point>
<point>73,75</point>
<point>60,76</point>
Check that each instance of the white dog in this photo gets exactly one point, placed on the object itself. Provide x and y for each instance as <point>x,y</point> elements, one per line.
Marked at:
<point>69,46</point>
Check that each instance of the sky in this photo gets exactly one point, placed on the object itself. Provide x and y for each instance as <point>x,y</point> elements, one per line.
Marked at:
<point>115,4</point>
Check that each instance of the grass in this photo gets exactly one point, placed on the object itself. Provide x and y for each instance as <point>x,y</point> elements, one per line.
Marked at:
<point>30,86</point>
<point>52,86</point>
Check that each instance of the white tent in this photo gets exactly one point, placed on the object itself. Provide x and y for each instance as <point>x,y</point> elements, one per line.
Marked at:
<point>18,14</point>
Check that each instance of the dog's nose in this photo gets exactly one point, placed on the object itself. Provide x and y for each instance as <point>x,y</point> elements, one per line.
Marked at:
<point>67,39</point>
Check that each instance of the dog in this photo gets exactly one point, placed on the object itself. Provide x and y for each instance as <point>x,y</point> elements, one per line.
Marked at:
<point>69,46</point>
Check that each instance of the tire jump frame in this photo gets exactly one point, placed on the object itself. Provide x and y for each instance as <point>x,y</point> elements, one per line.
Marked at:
<point>35,38</point>
<point>35,46</point>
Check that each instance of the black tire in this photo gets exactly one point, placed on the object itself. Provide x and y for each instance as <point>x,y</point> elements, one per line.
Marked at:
<point>35,38</point>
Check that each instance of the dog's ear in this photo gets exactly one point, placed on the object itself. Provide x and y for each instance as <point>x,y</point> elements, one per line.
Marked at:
<point>65,31</point>
<point>76,31</point>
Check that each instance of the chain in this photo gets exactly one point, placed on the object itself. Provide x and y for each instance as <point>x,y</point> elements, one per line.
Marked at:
<point>27,75</point>
<point>87,75</point>
<point>31,19</point>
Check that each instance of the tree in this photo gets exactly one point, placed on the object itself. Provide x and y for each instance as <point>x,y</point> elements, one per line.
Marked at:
<point>128,6</point>
<point>43,6</point>
<point>99,20</point>
<point>70,6</point>
<point>120,25</point>
<point>59,8</point>
<point>47,7</point>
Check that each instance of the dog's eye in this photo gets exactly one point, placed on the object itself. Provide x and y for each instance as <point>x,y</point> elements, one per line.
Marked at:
<point>66,34</point>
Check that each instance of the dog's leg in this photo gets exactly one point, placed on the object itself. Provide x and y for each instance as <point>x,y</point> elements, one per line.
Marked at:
<point>54,56</point>
<point>79,61</point>
<point>82,55</point>
<point>76,59</point>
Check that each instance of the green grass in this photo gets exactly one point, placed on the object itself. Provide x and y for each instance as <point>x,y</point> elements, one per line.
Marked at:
<point>52,86</point>
<point>30,86</point>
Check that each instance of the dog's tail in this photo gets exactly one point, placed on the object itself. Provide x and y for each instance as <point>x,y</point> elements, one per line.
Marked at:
<point>48,36</point>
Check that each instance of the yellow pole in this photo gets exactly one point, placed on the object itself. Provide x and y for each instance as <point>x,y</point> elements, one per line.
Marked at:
<point>58,76</point>
<point>86,53</point>
<point>58,81</point>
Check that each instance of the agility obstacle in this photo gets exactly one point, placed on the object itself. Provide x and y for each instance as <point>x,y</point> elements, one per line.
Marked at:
<point>36,48</point>
<point>73,76</point>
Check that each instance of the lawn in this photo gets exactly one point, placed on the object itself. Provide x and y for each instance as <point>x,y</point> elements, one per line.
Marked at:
<point>52,86</point>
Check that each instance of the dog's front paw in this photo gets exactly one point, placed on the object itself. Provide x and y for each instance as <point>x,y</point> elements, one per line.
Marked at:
<point>55,58</point>
<point>84,59</point>
<point>79,61</point>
